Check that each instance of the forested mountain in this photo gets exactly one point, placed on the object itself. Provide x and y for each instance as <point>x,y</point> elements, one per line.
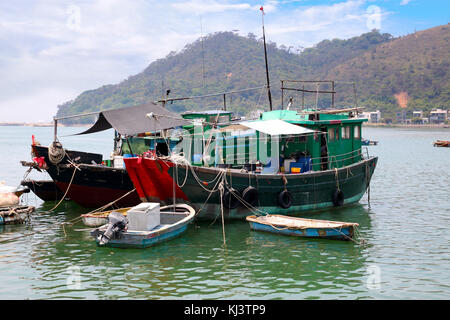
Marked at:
<point>382,67</point>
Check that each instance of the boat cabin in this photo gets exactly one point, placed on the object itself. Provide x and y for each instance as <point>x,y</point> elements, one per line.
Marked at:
<point>306,140</point>
<point>337,141</point>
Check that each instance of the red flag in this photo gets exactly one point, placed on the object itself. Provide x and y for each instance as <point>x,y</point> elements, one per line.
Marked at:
<point>262,9</point>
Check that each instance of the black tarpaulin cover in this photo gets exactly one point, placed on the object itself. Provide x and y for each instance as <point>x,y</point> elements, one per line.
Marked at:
<point>130,121</point>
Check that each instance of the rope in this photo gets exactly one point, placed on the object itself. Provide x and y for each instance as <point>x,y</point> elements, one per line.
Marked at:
<point>336,175</point>
<point>67,222</point>
<point>368,184</point>
<point>56,152</point>
<point>67,190</point>
<point>96,211</point>
<point>221,190</point>
<point>220,186</point>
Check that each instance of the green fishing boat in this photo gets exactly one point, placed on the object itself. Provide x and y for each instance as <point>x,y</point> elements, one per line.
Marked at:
<point>285,162</point>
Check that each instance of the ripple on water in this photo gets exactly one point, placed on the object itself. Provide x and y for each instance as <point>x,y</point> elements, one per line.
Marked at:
<point>406,228</point>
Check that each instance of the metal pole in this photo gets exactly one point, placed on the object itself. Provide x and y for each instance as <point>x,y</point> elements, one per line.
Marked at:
<point>55,121</point>
<point>282,95</point>
<point>224,102</point>
<point>267,66</point>
<point>332,94</point>
<point>303,97</point>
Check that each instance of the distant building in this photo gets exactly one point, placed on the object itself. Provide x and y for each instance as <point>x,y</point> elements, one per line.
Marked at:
<point>438,116</point>
<point>417,114</point>
<point>418,118</point>
<point>372,117</point>
<point>401,116</point>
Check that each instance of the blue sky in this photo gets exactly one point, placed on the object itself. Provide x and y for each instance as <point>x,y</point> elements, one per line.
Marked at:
<point>52,50</point>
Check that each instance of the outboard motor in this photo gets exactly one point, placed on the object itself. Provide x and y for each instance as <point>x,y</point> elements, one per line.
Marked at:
<point>117,223</point>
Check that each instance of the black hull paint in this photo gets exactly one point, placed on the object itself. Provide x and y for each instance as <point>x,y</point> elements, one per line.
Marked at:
<point>92,185</point>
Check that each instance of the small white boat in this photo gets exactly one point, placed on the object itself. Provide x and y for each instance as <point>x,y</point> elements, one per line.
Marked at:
<point>173,222</point>
<point>300,227</point>
<point>98,219</point>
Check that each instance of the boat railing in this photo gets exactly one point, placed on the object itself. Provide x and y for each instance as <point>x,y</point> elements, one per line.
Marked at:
<point>330,162</point>
<point>339,160</point>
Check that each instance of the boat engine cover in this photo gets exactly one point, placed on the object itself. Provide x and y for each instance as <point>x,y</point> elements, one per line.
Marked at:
<point>117,223</point>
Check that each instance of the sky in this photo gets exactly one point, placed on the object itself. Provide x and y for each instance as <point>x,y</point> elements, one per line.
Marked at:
<point>53,50</point>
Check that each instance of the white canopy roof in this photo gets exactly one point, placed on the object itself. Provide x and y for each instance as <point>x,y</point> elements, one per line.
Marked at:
<point>276,127</point>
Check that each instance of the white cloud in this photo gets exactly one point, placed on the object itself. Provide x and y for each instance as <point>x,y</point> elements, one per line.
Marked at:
<point>201,7</point>
<point>53,50</point>
<point>405,2</point>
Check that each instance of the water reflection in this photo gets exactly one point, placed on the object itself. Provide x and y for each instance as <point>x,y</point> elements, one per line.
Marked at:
<point>197,265</point>
<point>404,230</point>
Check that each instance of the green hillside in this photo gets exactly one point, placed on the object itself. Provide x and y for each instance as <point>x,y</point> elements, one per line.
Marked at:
<point>381,66</point>
<point>415,66</point>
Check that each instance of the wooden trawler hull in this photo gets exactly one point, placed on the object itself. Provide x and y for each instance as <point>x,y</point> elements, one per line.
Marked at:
<point>46,190</point>
<point>92,185</point>
<point>154,181</point>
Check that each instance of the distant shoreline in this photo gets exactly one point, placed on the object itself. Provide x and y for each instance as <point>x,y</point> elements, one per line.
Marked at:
<point>400,125</point>
<point>39,124</point>
<point>380,125</point>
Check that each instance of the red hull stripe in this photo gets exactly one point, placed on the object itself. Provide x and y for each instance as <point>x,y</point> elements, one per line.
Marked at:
<point>93,197</point>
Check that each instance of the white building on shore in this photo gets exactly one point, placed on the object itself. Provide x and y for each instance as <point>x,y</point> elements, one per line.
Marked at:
<point>438,116</point>
<point>373,117</point>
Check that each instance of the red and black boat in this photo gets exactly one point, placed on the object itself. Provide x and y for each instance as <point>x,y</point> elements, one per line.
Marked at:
<point>46,190</point>
<point>85,177</point>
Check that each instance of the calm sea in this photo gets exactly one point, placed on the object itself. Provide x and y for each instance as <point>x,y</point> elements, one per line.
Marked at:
<point>406,226</point>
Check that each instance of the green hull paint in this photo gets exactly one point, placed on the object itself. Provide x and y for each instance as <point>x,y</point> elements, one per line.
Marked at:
<point>310,191</point>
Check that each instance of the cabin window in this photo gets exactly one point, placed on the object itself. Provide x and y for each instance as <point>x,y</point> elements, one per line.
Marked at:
<point>345,132</point>
<point>331,134</point>
<point>337,133</point>
<point>356,132</point>
<point>222,119</point>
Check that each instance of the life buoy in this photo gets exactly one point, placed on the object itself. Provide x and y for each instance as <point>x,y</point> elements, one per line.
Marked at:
<point>338,198</point>
<point>229,200</point>
<point>285,199</point>
<point>250,195</point>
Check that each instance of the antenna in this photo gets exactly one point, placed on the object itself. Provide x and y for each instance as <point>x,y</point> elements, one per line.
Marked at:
<point>203,52</point>
<point>265,57</point>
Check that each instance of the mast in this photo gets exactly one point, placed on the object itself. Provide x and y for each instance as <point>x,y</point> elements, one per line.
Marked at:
<point>265,57</point>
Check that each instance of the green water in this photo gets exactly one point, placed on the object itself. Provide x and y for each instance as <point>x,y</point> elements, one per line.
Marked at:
<point>406,229</point>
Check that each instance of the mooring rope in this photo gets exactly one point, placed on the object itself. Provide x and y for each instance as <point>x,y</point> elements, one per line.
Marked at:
<point>96,211</point>
<point>221,190</point>
<point>66,222</point>
<point>56,152</point>
<point>67,190</point>
<point>336,176</point>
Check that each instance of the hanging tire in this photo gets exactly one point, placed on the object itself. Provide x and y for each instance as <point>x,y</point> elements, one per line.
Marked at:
<point>338,198</point>
<point>250,195</point>
<point>229,200</point>
<point>285,199</point>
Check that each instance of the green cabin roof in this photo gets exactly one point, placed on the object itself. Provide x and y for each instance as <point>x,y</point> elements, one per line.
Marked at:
<point>304,117</point>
